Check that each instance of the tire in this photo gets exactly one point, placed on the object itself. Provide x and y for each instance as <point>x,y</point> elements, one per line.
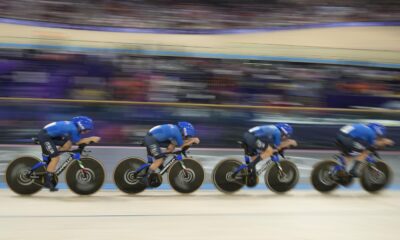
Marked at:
<point>320,178</point>
<point>18,182</point>
<point>186,180</point>
<point>278,183</point>
<point>123,176</point>
<point>373,181</point>
<point>85,181</point>
<point>221,176</point>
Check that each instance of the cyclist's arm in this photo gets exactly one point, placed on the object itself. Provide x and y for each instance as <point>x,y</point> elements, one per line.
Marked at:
<point>88,140</point>
<point>190,141</point>
<point>287,143</point>
<point>383,142</point>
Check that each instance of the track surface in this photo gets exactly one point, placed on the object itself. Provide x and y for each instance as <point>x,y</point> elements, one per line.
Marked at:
<point>203,215</point>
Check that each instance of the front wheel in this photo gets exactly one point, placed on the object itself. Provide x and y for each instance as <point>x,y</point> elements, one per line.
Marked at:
<point>87,180</point>
<point>188,179</point>
<point>376,176</point>
<point>321,176</point>
<point>18,176</point>
<point>281,180</point>
<point>223,176</point>
<point>126,178</point>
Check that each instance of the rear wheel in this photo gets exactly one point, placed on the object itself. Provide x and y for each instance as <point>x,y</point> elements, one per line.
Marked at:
<point>281,181</point>
<point>321,176</point>
<point>125,177</point>
<point>18,176</point>
<point>87,180</point>
<point>186,180</point>
<point>376,176</point>
<point>223,178</point>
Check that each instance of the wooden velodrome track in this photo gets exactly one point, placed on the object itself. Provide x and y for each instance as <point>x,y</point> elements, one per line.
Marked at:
<point>158,215</point>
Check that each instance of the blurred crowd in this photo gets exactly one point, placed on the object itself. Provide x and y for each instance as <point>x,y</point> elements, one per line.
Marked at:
<point>196,80</point>
<point>206,14</point>
<point>109,76</point>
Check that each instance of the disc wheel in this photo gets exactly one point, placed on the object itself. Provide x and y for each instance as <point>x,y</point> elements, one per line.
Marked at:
<point>125,177</point>
<point>186,180</point>
<point>374,177</point>
<point>223,178</point>
<point>18,179</point>
<point>281,181</point>
<point>321,176</point>
<point>87,180</point>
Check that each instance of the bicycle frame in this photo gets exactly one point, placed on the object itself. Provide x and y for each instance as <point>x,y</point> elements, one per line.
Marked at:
<point>176,156</point>
<point>342,165</point>
<point>274,159</point>
<point>369,159</point>
<point>73,155</point>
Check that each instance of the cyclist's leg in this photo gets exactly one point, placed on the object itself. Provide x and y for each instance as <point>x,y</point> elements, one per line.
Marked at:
<point>64,145</point>
<point>359,159</point>
<point>249,146</point>
<point>256,149</point>
<point>345,146</point>
<point>49,150</point>
<point>51,155</point>
<point>154,150</point>
<point>351,150</point>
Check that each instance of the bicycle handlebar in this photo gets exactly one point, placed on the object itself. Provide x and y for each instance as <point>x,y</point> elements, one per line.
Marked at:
<point>376,154</point>
<point>182,151</point>
<point>80,149</point>
<point>282,152</point>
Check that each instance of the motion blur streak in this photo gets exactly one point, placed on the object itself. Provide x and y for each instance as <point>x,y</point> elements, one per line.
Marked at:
<point>173,104</point>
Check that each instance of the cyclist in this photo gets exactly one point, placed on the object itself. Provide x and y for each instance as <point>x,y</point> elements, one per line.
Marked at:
<point>262,142</point>
<point>62,134</point>
<point>356,142</point>
<point>167,136</point>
